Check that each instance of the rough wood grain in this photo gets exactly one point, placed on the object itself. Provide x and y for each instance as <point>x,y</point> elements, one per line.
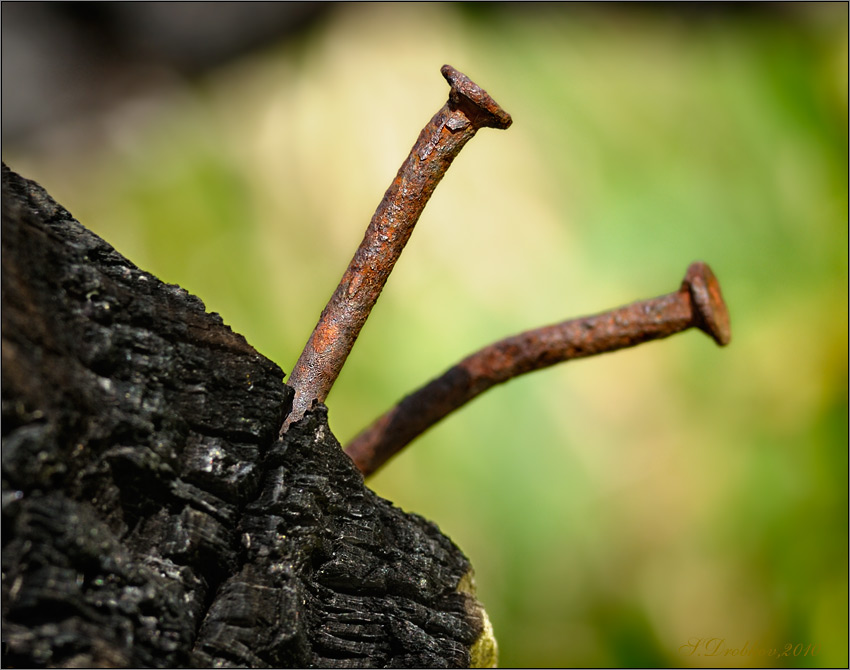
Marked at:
<point>151,516</point>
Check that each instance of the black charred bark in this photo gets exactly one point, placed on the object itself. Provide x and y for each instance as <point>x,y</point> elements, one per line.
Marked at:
<point>151,516</point>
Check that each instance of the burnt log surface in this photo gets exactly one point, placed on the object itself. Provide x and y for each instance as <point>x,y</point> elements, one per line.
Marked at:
<point>152,516</point>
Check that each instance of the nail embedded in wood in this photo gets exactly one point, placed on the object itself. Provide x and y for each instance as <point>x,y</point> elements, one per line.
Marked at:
<point>468,109</point>
<point>697,304</point>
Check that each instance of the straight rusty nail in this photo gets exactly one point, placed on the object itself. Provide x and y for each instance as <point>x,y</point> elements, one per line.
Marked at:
<point>468,108</point>
<point>697,304</point>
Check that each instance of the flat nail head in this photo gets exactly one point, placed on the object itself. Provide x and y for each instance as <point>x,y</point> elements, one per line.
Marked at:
<point>711,311</point>
<point>489,113</point>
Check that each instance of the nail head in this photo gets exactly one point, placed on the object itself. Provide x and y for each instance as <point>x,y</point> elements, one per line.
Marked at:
<point>711,311</point>
<point>460,83</point>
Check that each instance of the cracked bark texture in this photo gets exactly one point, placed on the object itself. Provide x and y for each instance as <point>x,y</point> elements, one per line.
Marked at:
<point>151,516</point>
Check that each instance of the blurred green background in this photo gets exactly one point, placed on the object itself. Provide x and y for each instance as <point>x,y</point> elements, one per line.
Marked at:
<point>672,505</point>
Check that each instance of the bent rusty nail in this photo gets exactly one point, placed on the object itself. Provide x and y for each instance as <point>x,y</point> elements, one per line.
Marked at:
<point>697,304</point>
<point>468,109</point>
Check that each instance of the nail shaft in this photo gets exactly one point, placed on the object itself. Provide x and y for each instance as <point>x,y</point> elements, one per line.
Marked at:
<point>468,109</point>
<point>697,304</point>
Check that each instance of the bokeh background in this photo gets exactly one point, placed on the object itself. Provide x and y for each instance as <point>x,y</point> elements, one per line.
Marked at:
<point>672,505</point>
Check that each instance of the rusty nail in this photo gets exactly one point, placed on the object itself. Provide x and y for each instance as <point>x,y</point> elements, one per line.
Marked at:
<point>468,108</point>
<point>697,304</point>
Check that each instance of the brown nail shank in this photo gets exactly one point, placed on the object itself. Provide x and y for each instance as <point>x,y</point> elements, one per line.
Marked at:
<point>468,108</point>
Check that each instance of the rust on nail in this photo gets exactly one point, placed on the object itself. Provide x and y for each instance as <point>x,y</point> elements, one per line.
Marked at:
<point>711,312</point>
<point>468,109</point>
<point>697,304</point>
<point>482,109</point>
